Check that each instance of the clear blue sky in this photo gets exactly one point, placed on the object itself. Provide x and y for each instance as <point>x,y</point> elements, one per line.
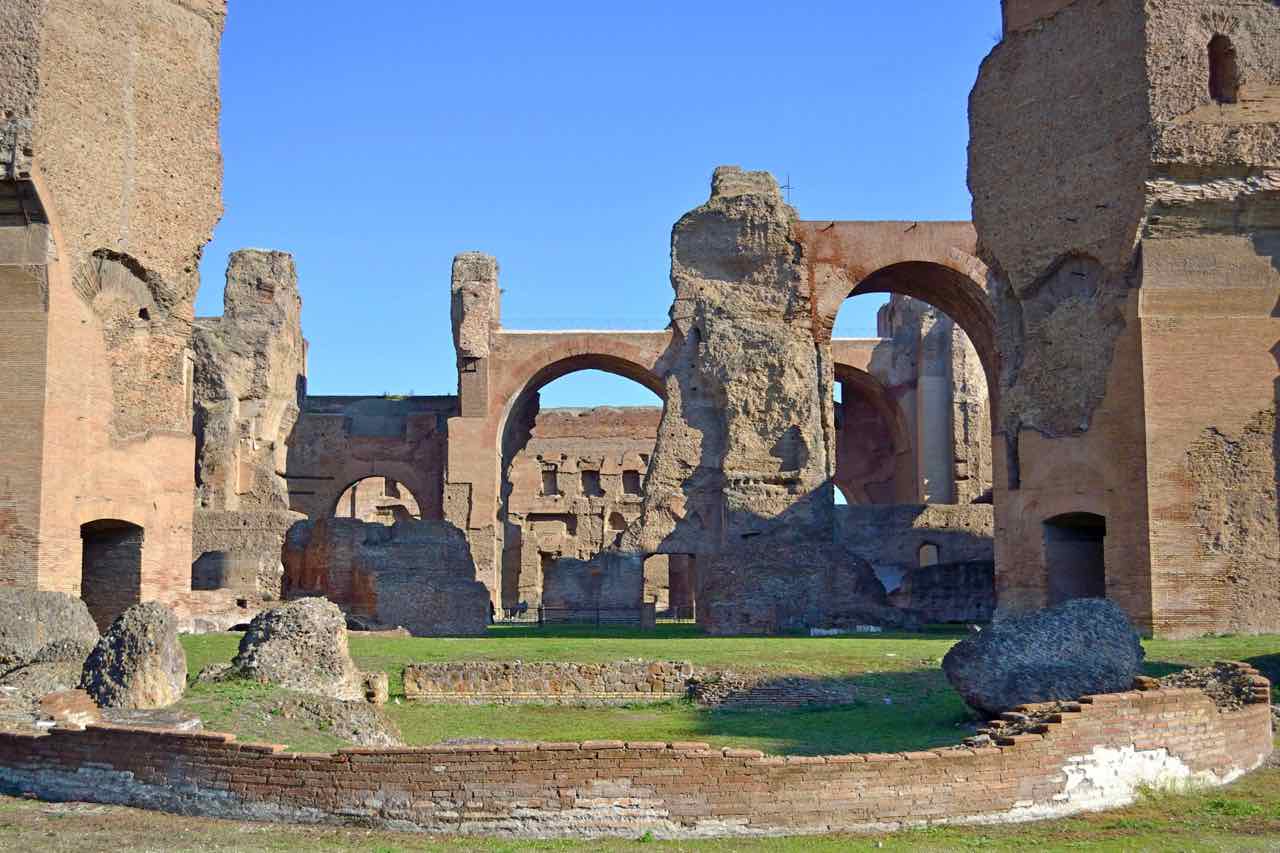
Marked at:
<point>375,141</point>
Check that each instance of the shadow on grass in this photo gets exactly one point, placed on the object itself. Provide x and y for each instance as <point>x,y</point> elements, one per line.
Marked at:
<point>890,712</point>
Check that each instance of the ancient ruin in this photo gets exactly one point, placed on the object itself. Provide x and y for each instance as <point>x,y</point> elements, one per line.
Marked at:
<point>1080,386</point>
<point>1065,427</point>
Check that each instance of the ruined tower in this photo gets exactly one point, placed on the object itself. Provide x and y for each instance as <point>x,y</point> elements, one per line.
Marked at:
<point>1125,170</point>
<point>110,180</point>
<point>746,445</point>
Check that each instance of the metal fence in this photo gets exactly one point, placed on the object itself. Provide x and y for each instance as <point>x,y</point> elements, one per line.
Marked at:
<point>589,615</point>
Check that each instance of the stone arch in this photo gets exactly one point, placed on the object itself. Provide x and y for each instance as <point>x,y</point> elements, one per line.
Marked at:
<point>361,505</point>
<point>873,459</point>
<point>1224,70</point>
<point>111,568</point>
<point>1075,556</point>
<point>955,293</point>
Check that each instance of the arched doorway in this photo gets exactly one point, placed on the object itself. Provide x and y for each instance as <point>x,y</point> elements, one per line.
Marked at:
<point>111,568</point>
<point>874,461</point>
<point>379,500</point>
<point>576,444</point>
<point>1075,556</point>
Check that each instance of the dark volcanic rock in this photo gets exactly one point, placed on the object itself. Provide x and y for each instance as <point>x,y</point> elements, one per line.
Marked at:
<point>301,646</point>
<point>139,662</point>
<point>1059,653</point>
<point>43,627</point>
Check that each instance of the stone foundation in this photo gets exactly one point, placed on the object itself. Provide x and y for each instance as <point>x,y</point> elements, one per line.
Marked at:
<point>1099,757</point>
<point>515,682</point>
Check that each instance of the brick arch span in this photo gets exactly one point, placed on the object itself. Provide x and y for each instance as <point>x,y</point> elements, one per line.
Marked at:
<point>524,362</point>
<point>935,262</point>
<point>890,476</point>
<point>415,488</point>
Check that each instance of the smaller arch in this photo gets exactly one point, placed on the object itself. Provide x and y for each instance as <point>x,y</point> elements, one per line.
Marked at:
<point>896,469</point>
<point>376,498</point>
<point>1224,70</point>
<point>111,568</point>
<point>928,554</point>
<point>1075,556</point>
<point>954,294</point>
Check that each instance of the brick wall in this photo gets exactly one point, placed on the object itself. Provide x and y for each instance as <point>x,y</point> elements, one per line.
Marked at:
<point>476,682</point>
<point>1093,758</point>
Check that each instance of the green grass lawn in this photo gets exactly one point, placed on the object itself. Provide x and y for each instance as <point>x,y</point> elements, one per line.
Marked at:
<point>904,701</point>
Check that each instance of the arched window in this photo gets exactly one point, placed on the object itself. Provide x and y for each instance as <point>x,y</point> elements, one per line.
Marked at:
<point>929,555</point>
<point>1075,556</point>
<point>111,568</point>
<point>1224,71</point>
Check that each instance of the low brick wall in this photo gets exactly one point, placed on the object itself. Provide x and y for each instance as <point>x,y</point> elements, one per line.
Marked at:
<point>1095,758</point>
<point>485,682</point>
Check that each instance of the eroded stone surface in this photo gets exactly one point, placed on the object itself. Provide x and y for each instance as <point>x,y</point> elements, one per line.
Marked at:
<point>746,444</point>
<point>301,646</point>
<point>139,662</point>
<point>770,588</point>
<point>1082,647</point>
<point>415,574</point>
<point>43,627</point>
<point>249,379</point>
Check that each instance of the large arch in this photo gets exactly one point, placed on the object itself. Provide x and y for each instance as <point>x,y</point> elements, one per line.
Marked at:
<point>566,504</point>
<point>876,464</point>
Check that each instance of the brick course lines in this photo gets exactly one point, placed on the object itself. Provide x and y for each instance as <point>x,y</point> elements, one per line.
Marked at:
<point>1095,758</point>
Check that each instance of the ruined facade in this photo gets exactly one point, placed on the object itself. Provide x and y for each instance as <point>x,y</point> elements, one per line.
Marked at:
<point>1125,168</point>
<point>249,377</point>
<point>413,574</point>
<point>99,245</point>
<point>1086,375</point>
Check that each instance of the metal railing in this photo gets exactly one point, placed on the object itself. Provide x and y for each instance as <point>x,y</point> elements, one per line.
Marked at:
<point>589,615</point>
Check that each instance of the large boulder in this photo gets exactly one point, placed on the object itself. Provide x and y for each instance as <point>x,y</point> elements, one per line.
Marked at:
<point>301,646</point>
<point>1065,652</point>
<point>43,627</point>
<point>139,663</point>
<point>778,587</point>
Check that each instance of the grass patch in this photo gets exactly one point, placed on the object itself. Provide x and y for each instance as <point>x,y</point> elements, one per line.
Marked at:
<point>903,699</point>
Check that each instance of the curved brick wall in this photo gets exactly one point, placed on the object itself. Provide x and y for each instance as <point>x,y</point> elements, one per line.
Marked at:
<point>1094,758</point>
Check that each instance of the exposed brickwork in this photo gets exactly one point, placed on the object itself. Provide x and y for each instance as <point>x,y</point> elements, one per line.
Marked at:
<point>1094,758</point>
<point>483,682</point>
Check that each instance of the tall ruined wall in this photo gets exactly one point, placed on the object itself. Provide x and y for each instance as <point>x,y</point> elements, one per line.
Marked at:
<point>1130,223</point>
<point>249,378</point>
<point>573,490</point>
<point>111,108</point>
<point>746,442</point>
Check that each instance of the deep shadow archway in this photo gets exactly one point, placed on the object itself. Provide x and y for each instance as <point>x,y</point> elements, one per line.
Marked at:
<point>874,462</point>
<point>111,568</point>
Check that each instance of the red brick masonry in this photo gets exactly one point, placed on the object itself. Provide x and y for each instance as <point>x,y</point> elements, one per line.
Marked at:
<point>1095,757</point>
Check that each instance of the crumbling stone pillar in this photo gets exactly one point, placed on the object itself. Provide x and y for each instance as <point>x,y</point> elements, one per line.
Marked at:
<point>1128,209</point>
<point>471,475</point>
<point>746,443</point>
<point>250,375</point>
